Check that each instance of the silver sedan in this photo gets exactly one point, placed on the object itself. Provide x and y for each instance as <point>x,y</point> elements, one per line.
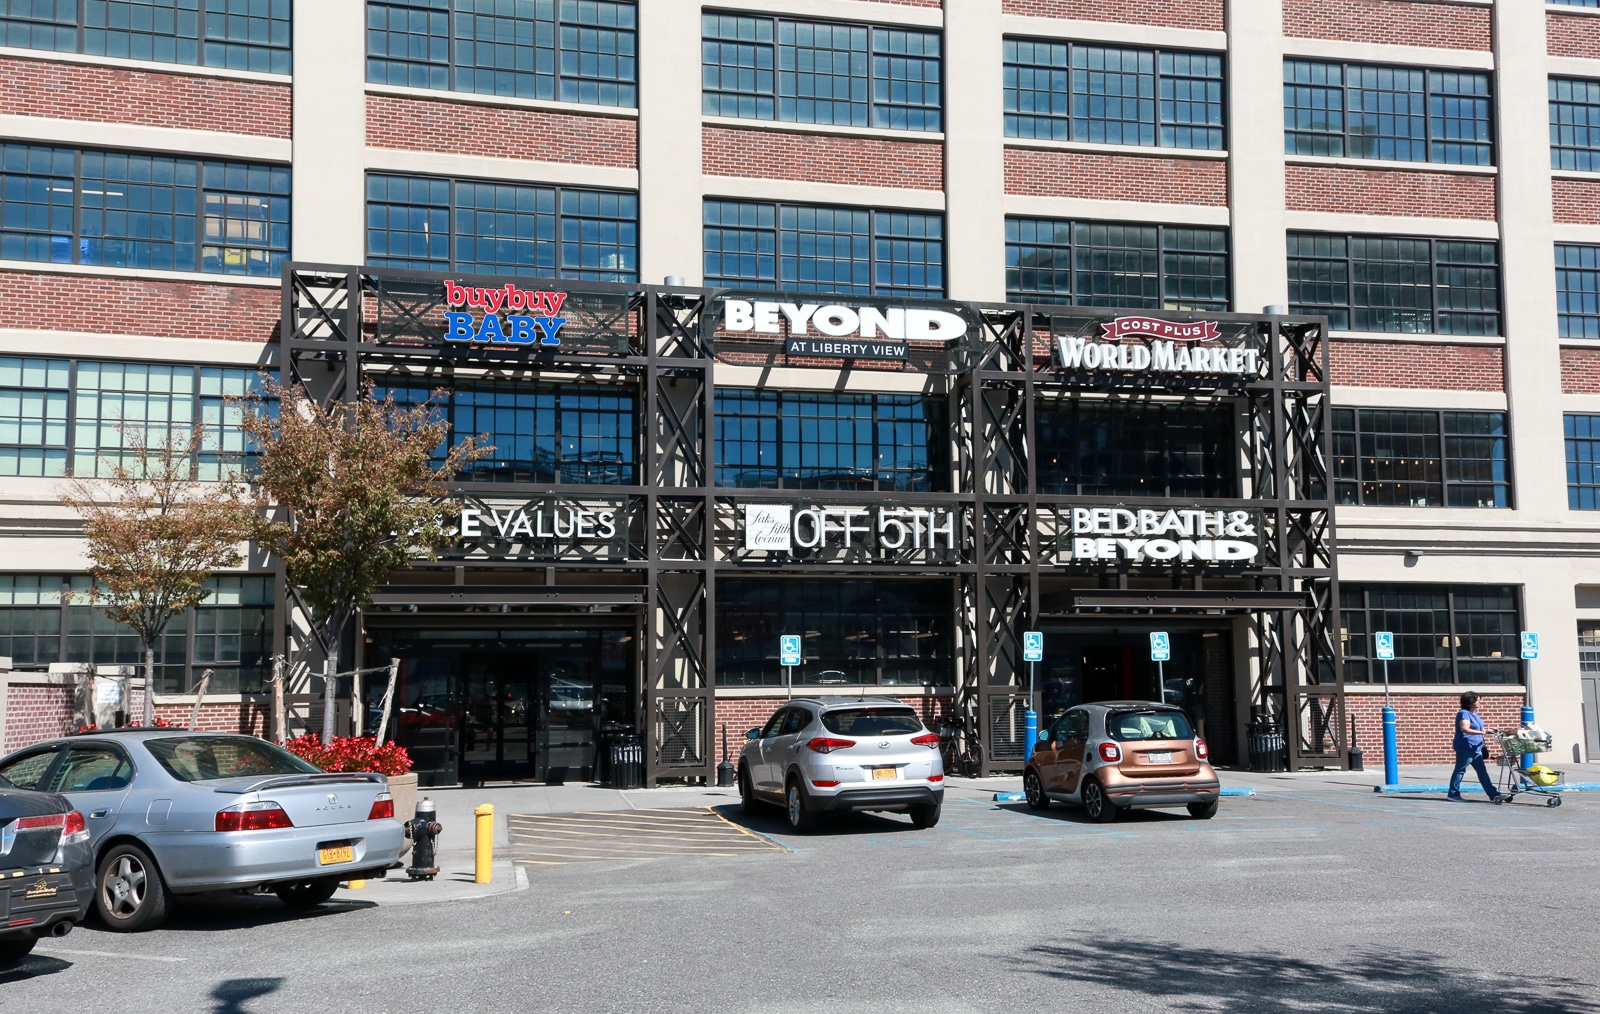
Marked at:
<point>172,812</point>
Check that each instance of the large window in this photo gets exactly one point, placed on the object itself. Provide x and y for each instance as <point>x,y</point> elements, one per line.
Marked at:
<point>236,34</point>
<point>1168,267</point>
<point>765,68</point>
<point>1396,283</point>
<point>803,248</point>
<point>128,210</point>
<point>502,228</point>
<point>1574,124</point>
<point>1442,633</point>
<point>1583,462</point>
<point>1067,91</point>
<point>1578,290</point>
<point>787,440</point>
<point>47,618</point>
<point>540,432</point>
<point>1393,458</point>
<point>58,417</point>
<point>1396,114</point>
<point>565,50</point>
<point>852,632</point>
<point>1106,448</point>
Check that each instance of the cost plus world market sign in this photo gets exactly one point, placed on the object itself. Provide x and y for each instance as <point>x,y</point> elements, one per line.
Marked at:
<point>1151,345</point>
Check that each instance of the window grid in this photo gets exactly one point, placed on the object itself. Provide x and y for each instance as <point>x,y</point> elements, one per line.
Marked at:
<point>251,35</point>
<point>821,72</point>
<point>1396,283</point>
<point>1397,114</point>
<point>1442,634</point>
<point>1099,448</point>
<point>808,248</point>
<point>781,440</point>
<point>1583,462</point>
<point>35,396</point>
<point>1578,290</point>
<point>1405,458</point>
<point>480,225</point>
<point>1574,124</point>
<point>582,51</point>
<point>124,209</point>
<point>1071,91</point>
<point>1116,264</point>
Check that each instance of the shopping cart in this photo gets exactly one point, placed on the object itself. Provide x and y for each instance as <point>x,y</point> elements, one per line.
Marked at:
<point>1539,779</point>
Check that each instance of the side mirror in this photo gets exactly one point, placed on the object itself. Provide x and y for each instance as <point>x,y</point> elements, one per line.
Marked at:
<point>1044,735</point>
<point>752,734</point>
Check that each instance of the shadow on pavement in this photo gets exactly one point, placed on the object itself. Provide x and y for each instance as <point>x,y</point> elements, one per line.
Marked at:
<point>33,966</point>
<point>1075,815</point>
<point>774,824</point>
<point>232,994</point>
<point>210,915</point>
<point>1219,980</point>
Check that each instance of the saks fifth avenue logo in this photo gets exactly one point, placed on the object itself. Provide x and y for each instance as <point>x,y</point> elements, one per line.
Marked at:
<point>782,528</point>
<point>1145,535</point>
<point>533,317</point>
<point>1169,347</point>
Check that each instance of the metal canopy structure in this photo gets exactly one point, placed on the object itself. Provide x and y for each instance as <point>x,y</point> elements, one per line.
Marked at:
<point>676,531</point>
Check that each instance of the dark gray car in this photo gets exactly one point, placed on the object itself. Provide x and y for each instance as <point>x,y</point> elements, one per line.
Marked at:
<point>174,812</point>
<point>46,869</point>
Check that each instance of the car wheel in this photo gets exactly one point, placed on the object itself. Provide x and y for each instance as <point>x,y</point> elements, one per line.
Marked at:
<point>1100,809</point>
<point>13,951</point>
<point>129,893</point>
<point>1203,811</point>
<point>1034,791</point>
<point>748,803</point>
<point>925,814</point>
<point>801,817</point>
<point>308,894</point>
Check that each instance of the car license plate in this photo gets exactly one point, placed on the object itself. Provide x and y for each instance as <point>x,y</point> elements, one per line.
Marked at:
<point>336,854</point>
<point>883,772</point>
<point>1160,756</point>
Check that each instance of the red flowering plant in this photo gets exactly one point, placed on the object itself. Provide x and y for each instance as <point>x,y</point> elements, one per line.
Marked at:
<point>351,753</point>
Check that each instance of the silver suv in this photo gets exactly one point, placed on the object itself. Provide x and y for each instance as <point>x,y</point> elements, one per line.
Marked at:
<point>830,754</point>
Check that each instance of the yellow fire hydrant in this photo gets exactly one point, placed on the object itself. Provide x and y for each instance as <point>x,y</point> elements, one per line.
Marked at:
<point>483,869</point>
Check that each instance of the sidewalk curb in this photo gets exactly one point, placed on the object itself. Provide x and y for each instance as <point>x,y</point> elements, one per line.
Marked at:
<point>1391,790</point>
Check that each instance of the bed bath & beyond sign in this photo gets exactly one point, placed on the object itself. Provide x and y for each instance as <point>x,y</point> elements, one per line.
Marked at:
<point>1145,535</point>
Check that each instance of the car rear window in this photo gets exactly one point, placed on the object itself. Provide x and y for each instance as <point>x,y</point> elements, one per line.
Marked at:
<point>1151,724</point>
<point>203,758</point>
<point>872,721</point>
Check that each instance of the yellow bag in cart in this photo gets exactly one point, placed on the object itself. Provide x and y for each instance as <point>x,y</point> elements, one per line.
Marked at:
<point>1541,775</point>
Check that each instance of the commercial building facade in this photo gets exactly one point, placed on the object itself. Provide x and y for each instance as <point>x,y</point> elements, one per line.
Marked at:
<point>189,191</point>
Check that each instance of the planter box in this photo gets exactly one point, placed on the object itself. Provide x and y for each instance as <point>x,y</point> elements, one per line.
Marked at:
<point>404,790</point>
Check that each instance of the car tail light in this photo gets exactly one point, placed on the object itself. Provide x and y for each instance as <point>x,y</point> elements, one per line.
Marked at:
<point>261,816</point>
<point>1110,752</point>
<point>47,820</point>
<point>936,778</point>
<point>382,807</point>
<point>927,739</point>
<point>824,783</point>
<point>74,829</point>
<point>823,744</point>
<point>1201,751</point>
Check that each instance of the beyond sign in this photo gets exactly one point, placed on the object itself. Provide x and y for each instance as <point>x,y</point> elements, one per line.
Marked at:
<point>1144,535</point>
<point>817,329</point>
<point>1167,349</point>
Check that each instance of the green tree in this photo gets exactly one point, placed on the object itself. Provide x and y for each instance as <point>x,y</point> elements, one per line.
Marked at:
<point>155,535</point>
<point>355,493</point>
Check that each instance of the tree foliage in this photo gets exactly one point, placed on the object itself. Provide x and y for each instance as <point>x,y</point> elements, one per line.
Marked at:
<point>356,489</point>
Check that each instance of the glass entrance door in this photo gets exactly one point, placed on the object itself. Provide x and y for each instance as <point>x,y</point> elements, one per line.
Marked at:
<point>497,696</point>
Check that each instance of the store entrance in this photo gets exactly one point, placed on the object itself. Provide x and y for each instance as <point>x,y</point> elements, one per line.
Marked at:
<point>509,705</point>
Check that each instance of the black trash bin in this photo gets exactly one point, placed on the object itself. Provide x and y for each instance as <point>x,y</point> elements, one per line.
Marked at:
<point>604,768</point>
<point>627,761</point>
<point>1267,747</point>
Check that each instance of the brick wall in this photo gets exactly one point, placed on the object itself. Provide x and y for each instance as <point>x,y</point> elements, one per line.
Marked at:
<point>1576,201</point>
<point>65,91</point>
<point>1580,371</point>
<point>466,128</point>
<point>1396,22</point>
<point>1155,180</point>
<point>822,158</point>
<point>1199,14</point>
<point>1425,725</point>
<point>1401,364</point>
<point>253,717</point>
<point>743,713</point>
<point>35,713</point>
<point>1572,35</point>
<point>139,307</point>
<point>1389,192</point>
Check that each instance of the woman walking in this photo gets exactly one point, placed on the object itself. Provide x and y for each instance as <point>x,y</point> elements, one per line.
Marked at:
<point>1469,749</point>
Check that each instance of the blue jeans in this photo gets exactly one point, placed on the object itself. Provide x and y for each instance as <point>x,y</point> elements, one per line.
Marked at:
<point>1474,756</point>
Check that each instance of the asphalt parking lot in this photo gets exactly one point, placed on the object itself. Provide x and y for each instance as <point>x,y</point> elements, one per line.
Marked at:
<point>1318,896</point>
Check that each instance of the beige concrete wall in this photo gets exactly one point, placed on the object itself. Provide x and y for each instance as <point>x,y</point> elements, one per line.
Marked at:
<point>670,185</point>
<point>974,152</point>
<point>330,129</point>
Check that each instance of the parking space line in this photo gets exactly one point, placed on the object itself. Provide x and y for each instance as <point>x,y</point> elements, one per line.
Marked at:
<point>630,835</point>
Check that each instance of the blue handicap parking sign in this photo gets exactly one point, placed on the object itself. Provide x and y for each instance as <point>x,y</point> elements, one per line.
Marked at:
<point>1530,644</point>
<point>1033,646</point>
<point>1384,641</point>
<point>789,649</point>
<point>1160,646</point>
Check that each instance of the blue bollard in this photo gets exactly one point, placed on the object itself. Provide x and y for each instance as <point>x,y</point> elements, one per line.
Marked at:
<point>1391,758</point>
<point>1030,724</point>
<point>1526,760</point>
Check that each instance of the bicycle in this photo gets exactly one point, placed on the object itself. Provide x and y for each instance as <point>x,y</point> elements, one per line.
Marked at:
<point>960,748</point>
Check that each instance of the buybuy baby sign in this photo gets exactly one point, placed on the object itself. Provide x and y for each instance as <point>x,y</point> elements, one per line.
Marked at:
<point>530,318</point>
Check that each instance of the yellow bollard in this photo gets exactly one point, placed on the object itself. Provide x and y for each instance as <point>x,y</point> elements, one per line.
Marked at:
<point>483,871</point>
<point>356,885</point>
